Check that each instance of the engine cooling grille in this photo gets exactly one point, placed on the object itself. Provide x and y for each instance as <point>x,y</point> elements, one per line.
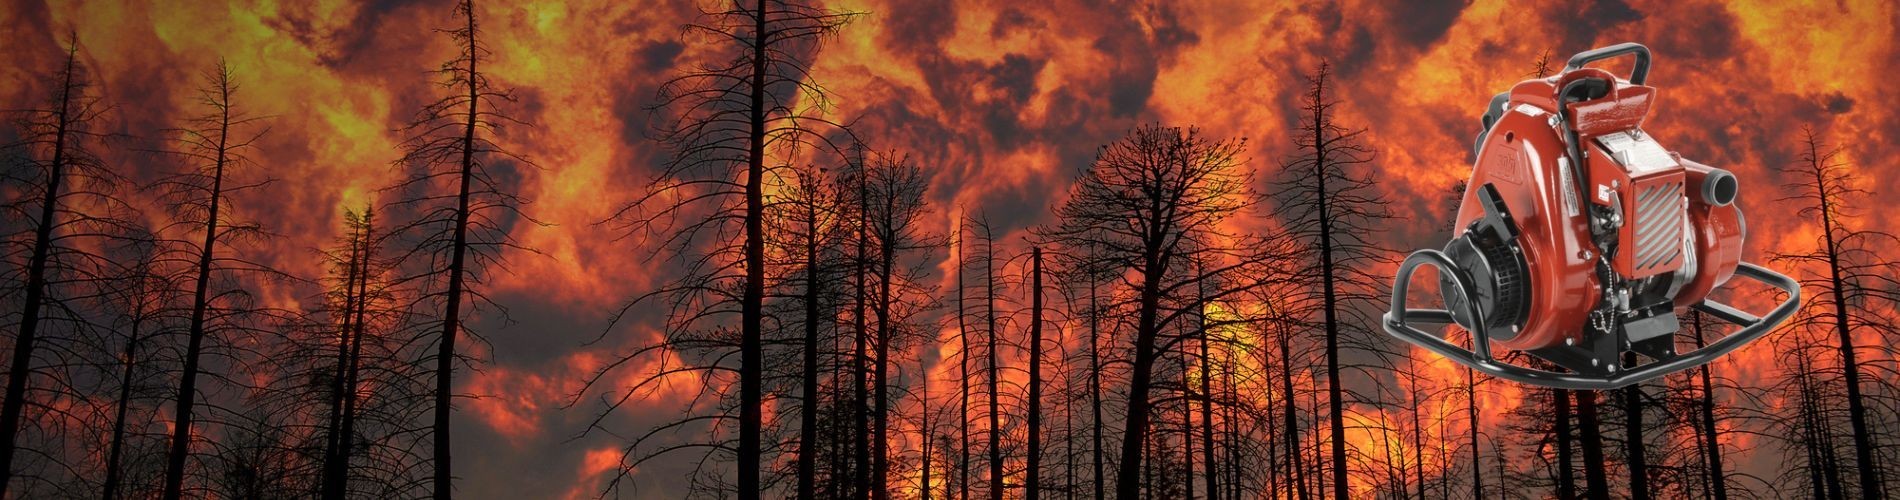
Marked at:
<point>1658,230</point>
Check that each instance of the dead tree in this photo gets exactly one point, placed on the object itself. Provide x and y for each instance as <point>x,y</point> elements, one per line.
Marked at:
<point>66,201</point>
<point>350,259</point>
<point>992,375</point>
<point>1210,474</point>
<point>1081,273</point>
<point>145,297</point>
<point>896,219</point>
<point>963,375</point>
<point>1032,475</point>
<point>1635,452</point>
<point>1591,434</point>
<point>1471,418</point>
<point>1705,419</point>
<point>1098,446</point>
<point>1277,325</point>
<point>453,200</point>
<point>1328,201</point>
<point>214,147</point>
<point>1856,280</point>
<point>860,323</point>
<point>1806,428</point>
<point>359,298</point>
<point>720,121</point>
<point>1566,465</point>
<point>1149,204</point>
<point>812,219</point>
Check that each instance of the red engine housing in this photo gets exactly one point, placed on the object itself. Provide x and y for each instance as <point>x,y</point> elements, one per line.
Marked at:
<point>1674,219</point>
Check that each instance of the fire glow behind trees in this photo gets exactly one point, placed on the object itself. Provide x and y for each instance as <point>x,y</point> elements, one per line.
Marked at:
<point>995,110</point>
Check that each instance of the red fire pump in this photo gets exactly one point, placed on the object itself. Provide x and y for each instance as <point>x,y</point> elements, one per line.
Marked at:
<point>1582,238</point>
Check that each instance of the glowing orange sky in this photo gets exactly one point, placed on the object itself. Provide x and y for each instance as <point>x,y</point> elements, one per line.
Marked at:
<point>1001,101</point>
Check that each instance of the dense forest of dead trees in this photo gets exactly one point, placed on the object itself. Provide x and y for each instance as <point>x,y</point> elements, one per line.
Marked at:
<point>1140,343</point>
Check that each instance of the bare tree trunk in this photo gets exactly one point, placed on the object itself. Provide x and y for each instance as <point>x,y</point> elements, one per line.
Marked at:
<point>1295,455</point>
<point>20,369</point>
<point>353,383</point>
<point>1187,422</point>
<point>452,312</point>
<point>751,345</point>
<point>923,429</point>
<point>1820,450</point>
<point>1032,482</point>
<point>1128,482</point>
<point>329,487</point>
<point>1471,414</point>
<point>808,420</point>
<point>963,381</point>
<point>887,257</point>
<point>1593,463</point>
<point>989,312</point>
<point>116,448</point>
<point>1418,438</point>
<point>1635,452</point>
<point>1231,428</point>
<point>1335,404</point>
<point>188,380</point>
<point>1319,476</point>
<point>861,472</point>
<point>1566,480</point>
<point>1868,473</point>
<point>1095,390</point>
<point>1718,479</point>
<point>1211,475</point>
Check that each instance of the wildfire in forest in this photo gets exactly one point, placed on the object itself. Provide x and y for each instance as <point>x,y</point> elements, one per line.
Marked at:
<point>926,263</point>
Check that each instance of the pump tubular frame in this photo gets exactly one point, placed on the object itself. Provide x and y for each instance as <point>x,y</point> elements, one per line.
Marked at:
<point>1399,319</point>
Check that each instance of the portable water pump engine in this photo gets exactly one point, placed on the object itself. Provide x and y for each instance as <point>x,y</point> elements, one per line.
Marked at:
<point>1582,238</point>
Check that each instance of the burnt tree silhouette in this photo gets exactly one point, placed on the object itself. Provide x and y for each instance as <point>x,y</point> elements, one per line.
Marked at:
<point>1711,434</point>
<point>146,296</point>
<point>1635,447</point>
<point>1328,201</point>
<point>1535,428</point>
<point>1147,205</point>
<point>350,260</point>
<point>1210,472</point>
<point>1566,464</point>
<point>1808,429</point>
<point>1032,475</point>
<point>963,374</point>
<point>812,223</point>
<point>334,467</point>
<point>360,298</point>
<point>66,204</point>
<point>1855,280</point>
<point>1098,447</point>
<point>213,145</point>
<point>1591,434</point>
<point>897,209</point>
<point>925,428</point>
<point>1634,451</point>
<point>1081,273</point>
<point>1277,326</point>
<point>459,205</point>
<point>860,322</point>
<point>725,117</point>
<point>992,375</point>
<point>1696,404</point>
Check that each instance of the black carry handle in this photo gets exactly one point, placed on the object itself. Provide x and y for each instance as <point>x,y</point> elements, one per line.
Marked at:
<point>1637,76</point>
<point>1398,322</point>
